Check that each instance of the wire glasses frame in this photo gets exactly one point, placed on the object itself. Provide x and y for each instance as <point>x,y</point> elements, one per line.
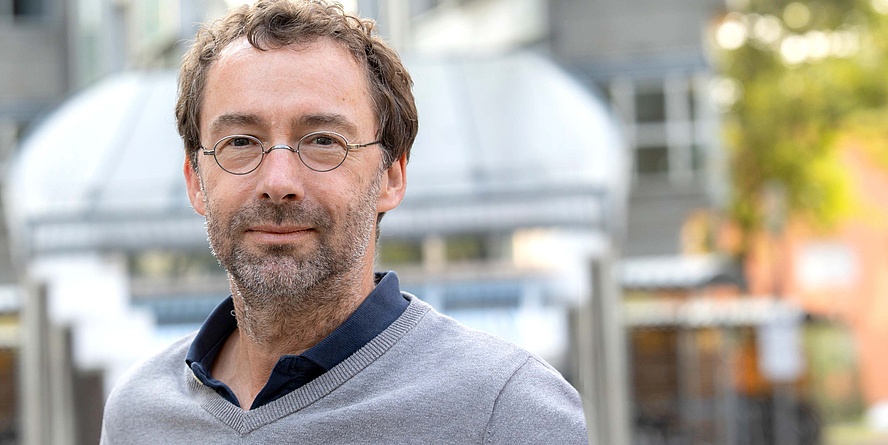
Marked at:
<point>321,151</point>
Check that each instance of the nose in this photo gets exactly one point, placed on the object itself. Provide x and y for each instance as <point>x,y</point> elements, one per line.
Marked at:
<point>280,175</point>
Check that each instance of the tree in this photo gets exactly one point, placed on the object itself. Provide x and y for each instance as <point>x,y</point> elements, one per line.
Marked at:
<point>804,73</point>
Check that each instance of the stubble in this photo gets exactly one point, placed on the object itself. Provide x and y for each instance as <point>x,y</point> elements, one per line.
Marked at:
<point>281,283</point>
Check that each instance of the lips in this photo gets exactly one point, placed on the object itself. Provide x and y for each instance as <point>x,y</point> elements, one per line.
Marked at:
<point>274,234</point>
<point>275,229</point>
<point>275,223</point>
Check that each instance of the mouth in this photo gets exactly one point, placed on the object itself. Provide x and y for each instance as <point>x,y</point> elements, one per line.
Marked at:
<point>274,234</point>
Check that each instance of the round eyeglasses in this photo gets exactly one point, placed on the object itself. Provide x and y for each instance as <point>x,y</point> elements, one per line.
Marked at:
<point>320,151</point>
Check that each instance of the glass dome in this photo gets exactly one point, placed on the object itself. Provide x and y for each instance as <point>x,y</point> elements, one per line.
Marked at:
<point>505,142</point>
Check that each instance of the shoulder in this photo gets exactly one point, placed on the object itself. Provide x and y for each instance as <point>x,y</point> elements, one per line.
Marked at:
<point>536,405</point>
<point>157,366</point>
<point>530,398</point>
<point>144,385</point>
<point>441,334</point>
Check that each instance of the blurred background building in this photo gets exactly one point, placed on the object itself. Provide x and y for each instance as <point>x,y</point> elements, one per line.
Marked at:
<point>567,192</point>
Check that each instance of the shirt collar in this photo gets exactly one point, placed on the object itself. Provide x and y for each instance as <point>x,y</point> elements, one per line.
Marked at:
<point>382,307</point>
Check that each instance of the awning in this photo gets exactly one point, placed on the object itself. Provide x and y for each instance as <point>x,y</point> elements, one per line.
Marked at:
<point>698,312</point>
<point>670,272</point>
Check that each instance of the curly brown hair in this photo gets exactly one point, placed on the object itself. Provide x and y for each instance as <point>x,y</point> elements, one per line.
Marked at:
<point>270,24</point>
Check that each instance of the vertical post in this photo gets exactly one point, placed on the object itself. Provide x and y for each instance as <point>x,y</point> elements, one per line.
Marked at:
<point>434,253</point>
<point>775,206</point>
<point>587,371</point>
<point>61,384</point>
<point>615,353</point>
<point>7,141</point>
<point>393,19</point>
<point>688,369</point>
<point>48,416</point>
<point>34,367</point>
<point>730,401</point>
<point>603,372</point>
<point>398,23</point>
<point>785,427</point>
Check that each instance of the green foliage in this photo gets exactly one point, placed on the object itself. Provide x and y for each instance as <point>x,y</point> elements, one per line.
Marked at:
<point>789,116</point>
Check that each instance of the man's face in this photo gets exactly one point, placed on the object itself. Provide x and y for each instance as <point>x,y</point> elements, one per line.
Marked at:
<point>285,229</point>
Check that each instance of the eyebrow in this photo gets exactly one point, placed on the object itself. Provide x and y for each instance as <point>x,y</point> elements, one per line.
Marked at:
<point>330,121</point>
<point>233,119</point>
<point>326,121</point>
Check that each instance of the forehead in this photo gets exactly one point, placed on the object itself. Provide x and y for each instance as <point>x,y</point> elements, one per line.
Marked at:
<point>317,77</point>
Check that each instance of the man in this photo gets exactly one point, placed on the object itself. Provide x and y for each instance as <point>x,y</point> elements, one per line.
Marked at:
<point>297,122</point>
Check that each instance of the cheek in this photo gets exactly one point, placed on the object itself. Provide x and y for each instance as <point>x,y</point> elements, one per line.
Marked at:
<point>222,197</point>
<point>332,190</point>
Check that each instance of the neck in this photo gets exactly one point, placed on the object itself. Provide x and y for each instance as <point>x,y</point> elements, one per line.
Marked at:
<point>297,324</point>
<point>264,335</point>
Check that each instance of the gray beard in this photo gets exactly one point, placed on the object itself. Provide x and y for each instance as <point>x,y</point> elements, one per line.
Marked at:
<point>277,284</point>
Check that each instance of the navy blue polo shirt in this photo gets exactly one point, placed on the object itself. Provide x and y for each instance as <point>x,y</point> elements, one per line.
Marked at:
<point>382,307</point>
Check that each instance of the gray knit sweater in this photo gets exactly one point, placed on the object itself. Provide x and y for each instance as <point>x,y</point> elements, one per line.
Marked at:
<point>426,379</point>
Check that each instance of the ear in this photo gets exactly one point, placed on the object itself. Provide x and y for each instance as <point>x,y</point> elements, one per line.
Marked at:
<point>394,184</point>
<point>195,192</point>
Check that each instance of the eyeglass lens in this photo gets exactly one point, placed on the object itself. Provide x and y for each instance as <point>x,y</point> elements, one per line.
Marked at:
<point>320,151</point>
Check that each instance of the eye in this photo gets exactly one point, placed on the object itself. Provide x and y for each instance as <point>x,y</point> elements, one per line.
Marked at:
<point>240,142</point>
<point>323,141</point>
<point>238,153</point>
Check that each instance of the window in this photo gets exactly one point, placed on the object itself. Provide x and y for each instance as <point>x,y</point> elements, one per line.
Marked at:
<point>28,8</point>
<point>652,160</point>
<point>663,120</point>
<point>466,248</point>
<point>394,252</point>
<point>170,265</point>
<point>477,247</point>
<point>650,106</point>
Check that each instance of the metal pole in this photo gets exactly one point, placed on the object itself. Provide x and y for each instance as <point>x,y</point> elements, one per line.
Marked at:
<point>784,414</point>
<point>602,358</point>
<point>726,377</point>
<point>34,367</point>
<point>61,384</point>
<point>615,353</point>
<point>587,372</point>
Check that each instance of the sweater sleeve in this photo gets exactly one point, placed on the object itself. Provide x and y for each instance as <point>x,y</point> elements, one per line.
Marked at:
<point>537,406</point>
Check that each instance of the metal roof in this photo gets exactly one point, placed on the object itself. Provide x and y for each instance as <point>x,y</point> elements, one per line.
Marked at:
<point>678,272</point>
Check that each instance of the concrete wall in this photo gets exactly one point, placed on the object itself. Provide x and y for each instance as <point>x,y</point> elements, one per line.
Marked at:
<point>32,64</point>
<point>33,77</point>
<point>629,28</point>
